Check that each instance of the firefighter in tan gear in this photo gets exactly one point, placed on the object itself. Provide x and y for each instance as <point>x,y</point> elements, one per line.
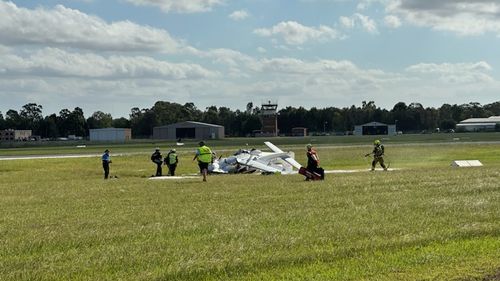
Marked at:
<point>378,155</point>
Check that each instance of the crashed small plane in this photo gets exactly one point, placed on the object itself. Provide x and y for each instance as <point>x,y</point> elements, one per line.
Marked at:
<point>249,161</point>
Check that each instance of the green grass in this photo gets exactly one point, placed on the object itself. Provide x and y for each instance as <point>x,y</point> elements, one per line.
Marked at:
<point>427,221</point>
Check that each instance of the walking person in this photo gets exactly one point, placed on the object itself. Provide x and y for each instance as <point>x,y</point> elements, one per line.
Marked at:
<point>171,161</point>
<point>157,158</point>
<point>106,160</point>
<point>378,155</point>
<point>204,157</point>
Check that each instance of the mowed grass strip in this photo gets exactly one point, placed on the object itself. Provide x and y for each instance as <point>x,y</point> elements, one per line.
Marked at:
<point>60,221</point>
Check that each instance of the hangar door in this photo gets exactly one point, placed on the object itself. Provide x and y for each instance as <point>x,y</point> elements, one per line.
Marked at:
<point>185,133</point>
<point>375,130</point>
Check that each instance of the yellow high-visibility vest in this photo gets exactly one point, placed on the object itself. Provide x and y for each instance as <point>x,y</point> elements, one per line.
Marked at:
<point>204,154</point>
<point>172,158</point>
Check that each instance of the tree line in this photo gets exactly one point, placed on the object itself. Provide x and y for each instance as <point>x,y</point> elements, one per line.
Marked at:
<point>413,117</point>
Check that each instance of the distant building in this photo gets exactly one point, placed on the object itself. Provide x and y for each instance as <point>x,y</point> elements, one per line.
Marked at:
<point>269,119</point>
<point>374,128</point>
<point>299,132</point>
<point>189,130</point>
<point>111,134</point>
<point>15,135</point>
<point>479,124</point>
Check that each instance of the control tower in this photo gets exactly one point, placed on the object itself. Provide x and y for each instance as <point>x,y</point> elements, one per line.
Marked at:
<point>269,118</point>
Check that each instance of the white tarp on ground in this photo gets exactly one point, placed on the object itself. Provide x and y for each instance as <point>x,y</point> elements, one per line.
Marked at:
<point>174,177</point>
<point>466,163</point>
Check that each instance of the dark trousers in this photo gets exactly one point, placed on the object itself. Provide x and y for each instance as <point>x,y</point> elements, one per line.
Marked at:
<point>158,169</point>
<point>317,170</point>
<point>171,169</point>
<point>105,166</point>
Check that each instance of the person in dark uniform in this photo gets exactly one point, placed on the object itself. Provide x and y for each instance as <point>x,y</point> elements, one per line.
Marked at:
<point>171,161</point>
<point>106,160</point>
<point>204,156</point>
<point>157,158</point>
<point>378,155</point>
<point>313,162</point>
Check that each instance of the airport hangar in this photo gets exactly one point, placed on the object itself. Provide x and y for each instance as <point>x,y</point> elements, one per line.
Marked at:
<point>189,130</point>
<point>479,124</point>
<point>374,128</point>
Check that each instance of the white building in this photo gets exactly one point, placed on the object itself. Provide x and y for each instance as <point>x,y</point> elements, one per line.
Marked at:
<point>479,124</point>
<point>15,135</point>
<point>111,134</point>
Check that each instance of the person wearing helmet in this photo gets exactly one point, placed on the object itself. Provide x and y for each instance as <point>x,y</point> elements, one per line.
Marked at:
<point>313,162</point>
<point>378,155</point>
<point>158,160</point>
<point>171,161</point>
<point>205,157</point>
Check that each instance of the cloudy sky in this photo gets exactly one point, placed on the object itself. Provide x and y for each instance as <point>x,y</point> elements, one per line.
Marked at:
<point>112,55</point>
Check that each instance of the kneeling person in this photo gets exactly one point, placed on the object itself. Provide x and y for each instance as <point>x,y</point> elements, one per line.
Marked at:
<point>313,163</point>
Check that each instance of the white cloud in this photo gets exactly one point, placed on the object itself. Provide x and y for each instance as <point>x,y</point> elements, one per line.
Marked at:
<point>51,62</point>
<point>392,21</point>
<point>125,82</point>
<point>463,73</point>
<point>460,17</point>
<point>62,26</point>
<point>347,22</point>
<point>239,15</point>
<point>294,33</point>
<point>180,6</point>
<point>366,22</point>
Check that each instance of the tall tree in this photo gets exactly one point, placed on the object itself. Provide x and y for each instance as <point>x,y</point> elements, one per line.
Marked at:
<point>78,122</point>
<point>2,122</point>
<point>13,120</point>
<point>49,127</point>
<point>121,122</point>
<point>99,120</point>
<point>31,117</point>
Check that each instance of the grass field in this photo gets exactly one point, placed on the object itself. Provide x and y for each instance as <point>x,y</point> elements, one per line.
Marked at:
<point>425,221</point>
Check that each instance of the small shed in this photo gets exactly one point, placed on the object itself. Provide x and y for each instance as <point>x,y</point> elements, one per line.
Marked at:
<point>299,132</point>
<point>189,130</point>
<point>374,128</point>
<point>111,134</point>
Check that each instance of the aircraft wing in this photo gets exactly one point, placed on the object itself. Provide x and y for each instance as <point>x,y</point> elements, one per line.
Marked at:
<point>273,147</point>
<point>260,166</point>
<point>288,159</point>
<point>271,156</point>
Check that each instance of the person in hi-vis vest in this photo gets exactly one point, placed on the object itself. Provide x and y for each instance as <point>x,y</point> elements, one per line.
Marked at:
<point>204,156</point>
<point>171,161</point>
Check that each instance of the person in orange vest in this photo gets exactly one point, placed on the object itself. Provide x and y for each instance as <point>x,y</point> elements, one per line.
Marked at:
<point>204,156</point>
